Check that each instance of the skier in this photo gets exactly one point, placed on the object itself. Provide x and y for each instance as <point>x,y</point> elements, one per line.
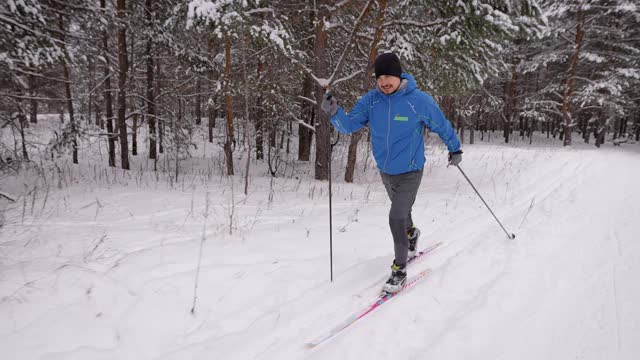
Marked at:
<point>397,112</point>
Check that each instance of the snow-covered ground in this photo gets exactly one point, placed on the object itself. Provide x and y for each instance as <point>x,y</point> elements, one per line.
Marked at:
<point>101,265</point>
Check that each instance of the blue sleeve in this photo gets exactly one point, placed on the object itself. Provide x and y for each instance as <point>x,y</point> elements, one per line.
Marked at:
<point>438,123</point>
<point>355,120</point>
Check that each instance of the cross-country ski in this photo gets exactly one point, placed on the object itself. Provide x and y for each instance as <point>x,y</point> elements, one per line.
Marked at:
<point>382,299</point>
<point>313,180</point>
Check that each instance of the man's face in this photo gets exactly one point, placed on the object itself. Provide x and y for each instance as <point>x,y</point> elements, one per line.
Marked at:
<point>388,83</point>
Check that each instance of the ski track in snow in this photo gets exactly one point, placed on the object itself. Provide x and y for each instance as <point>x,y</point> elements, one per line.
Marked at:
<point>99,274</point>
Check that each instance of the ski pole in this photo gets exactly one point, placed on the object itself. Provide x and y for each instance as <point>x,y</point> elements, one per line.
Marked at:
<point>327,89</point>
<point>510,236</point>
<point>331,207</point>
<point>330,215</point>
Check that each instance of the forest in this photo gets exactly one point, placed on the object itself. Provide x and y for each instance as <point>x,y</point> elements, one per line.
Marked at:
<point>137,77</point>
<point>171,187</point>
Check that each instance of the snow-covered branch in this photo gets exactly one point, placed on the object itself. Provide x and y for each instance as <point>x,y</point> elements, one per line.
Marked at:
<point>346,78</point>
<point>307,99</point>
<point>301,122</point>
<point>348,45</point>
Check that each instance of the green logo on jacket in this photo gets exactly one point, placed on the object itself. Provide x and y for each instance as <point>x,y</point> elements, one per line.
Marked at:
<point>401,118</point>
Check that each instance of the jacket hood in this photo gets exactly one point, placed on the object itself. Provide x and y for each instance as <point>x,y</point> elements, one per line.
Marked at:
<point>407,85</point>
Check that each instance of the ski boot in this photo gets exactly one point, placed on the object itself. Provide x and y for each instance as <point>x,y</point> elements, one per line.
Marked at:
<point>397,279</point>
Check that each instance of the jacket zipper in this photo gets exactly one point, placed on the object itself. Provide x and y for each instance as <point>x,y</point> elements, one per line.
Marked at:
<point>388,135</point>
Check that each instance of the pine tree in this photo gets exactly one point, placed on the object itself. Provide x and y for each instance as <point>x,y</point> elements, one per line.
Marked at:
<point>588,65</point>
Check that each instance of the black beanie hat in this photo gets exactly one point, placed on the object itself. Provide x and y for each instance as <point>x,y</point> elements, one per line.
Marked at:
<point>387,64</point>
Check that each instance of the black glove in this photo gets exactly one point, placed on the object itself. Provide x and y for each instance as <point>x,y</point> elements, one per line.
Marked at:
<point>329,104</point>
<point>455,158</point>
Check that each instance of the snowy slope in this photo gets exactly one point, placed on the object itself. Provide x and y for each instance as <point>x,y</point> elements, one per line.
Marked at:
<point>104,267</point>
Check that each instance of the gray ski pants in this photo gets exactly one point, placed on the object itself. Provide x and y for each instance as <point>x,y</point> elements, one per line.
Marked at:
<point>402,190</point>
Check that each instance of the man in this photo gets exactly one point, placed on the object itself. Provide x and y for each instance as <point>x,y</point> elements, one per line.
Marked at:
<point>396,113</point>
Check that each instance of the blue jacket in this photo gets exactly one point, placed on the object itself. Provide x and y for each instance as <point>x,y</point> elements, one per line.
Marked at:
<point>396,123</point>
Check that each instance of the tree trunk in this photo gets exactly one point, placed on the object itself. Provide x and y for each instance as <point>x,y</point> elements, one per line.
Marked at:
<point>510,102</point>
<point>22,119</point>
<point>304,133</point>
<point>22,122</point>
<point>273,131</point>
<point>151,104</point>
<point>198,102</point>
<point>476,124</point>
<point>307,113</point>
<point>98,111</point>
<point>600,132</point>
<point>122,82</point>
<point>282,138</point>
<point>33,115</point>
<point>259,120</point>
<point>289,132</point>
<point>638,126</point>
<point>91,86</point>
<point>352,156</point>
<point>460,121</point>
<point>472,128</point>
<point>157,90</point>
<point>260,124</point>
<point>229,142</point>
<point>522,125</point>
<point>211,108</point>
<point>67,88</point>
<point>107,95</point>
<point>323,127</point>
<point>573,64</point>
<point>585,130</point>
<point>212,121</point>
<point>247,111</point>
<point>373,53</point>
<point>134,136</point>
<point>177,139</point>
